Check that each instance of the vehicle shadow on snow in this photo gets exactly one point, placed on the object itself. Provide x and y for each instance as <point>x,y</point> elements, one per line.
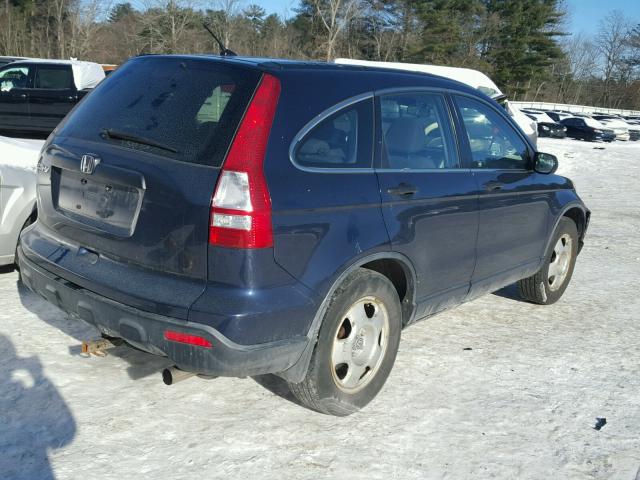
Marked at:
<point>141,364</point>
<point>510,292</point>
<point>34,417</point>
<point>277,386</point>
<point>7,269</point>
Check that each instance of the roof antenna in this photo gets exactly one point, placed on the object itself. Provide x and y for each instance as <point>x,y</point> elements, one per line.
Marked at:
<point>224,52</point>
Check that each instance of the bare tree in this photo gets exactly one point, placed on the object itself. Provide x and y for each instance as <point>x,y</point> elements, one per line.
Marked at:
<point>335,16</point>
<point>84,26</point>
<point>612,44</point>
<point>229,9</point>
<point>166,23</point>
<point>582,63</point>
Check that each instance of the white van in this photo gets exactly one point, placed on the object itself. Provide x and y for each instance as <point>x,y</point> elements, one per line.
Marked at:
<point>473,78</point>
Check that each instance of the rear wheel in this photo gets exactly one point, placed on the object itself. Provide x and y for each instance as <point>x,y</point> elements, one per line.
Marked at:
<point>357,346</point>
<point>550,282</point>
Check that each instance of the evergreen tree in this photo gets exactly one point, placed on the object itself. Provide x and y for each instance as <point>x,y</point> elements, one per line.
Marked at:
<point>525,42</point>
<point>449,31</point>
<point>120,12</point>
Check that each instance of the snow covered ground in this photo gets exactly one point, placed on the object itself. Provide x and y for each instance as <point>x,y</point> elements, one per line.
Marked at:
<point>521,403</point>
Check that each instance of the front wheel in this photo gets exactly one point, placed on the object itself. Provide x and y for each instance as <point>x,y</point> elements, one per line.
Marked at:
<point>550,282</point>
<point>357,346</point>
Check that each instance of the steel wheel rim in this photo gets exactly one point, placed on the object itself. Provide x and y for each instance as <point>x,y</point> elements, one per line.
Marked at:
<point>559,262</point>
<point>359,344</point>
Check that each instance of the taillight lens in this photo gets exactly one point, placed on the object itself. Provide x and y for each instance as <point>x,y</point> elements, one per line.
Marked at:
<point>188,339</point>
<point>241,204</point>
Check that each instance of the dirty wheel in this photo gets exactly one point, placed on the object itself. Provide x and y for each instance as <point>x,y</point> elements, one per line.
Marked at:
<point>550,282</point>
<point>356,347</point>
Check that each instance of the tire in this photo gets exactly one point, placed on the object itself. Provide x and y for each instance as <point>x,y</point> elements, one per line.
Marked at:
<point>361,326</point>
<point>550,282</point>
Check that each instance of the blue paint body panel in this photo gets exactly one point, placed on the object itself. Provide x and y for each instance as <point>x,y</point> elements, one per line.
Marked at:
<point>454,238</point>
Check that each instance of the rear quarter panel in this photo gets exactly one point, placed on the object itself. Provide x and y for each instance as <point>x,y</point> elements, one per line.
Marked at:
<point>323,221</point>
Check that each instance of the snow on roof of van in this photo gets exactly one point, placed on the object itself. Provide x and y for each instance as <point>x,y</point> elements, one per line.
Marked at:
<point>85,74</point>
<point>473,78</point>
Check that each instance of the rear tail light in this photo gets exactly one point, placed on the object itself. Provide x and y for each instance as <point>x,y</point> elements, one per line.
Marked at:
<point>241,204</point>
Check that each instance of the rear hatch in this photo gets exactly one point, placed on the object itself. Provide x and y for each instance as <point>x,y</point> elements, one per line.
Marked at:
<point>125,183</point>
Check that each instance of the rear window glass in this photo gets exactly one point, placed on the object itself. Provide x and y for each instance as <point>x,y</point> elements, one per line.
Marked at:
<point>342,140</point>
<point>181,108</point>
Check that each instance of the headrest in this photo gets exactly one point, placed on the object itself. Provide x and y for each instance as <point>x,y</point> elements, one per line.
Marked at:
<point>405,136</point>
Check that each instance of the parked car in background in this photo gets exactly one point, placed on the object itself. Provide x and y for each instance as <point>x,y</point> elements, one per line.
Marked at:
<point>587,128</point>
<point>109,68</point>
<point>17,192</point>
<point>5,60</point>
<point>547,127</point>
<point>557,116</point>
<point>35,95</point>
<point>623,130</point>
<point>205,217</point>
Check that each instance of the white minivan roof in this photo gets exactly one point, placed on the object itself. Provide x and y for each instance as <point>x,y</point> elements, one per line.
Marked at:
<point>473,78</point>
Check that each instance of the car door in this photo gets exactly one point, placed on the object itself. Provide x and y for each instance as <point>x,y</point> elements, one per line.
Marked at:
<point>572,130</point>
<point>429,202</point>
<point>15,81</point>
<point>514,202</point>
<point>53,95</point>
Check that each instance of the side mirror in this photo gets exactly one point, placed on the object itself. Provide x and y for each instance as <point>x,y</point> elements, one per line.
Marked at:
<point>545,163</point>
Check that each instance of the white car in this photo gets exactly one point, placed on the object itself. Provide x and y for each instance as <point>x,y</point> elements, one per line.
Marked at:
<point>619,126</point>
<point>623,129</point>
<point>18,163</point>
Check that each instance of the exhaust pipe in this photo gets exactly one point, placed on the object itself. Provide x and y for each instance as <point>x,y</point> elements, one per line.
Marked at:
<point>173,375</point>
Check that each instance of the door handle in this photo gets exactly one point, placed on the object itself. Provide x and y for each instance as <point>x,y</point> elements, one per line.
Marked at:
<point>403,190</point>
<point>493,186</point>
<point>23,95</point>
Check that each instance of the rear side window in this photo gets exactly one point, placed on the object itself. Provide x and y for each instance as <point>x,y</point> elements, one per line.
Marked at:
<point>416,132</point>
<point>187,109</point>
<point>342,140</point>
<point>54,77</point>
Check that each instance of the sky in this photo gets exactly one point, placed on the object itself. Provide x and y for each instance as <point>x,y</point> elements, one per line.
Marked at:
<point>584,15</point>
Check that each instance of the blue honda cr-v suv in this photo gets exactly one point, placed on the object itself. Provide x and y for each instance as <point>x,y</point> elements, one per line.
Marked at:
<point>248,216</point>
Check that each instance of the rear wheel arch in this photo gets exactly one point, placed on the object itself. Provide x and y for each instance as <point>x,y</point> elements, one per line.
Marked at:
<point>401,275</point>
<point>389,264</point>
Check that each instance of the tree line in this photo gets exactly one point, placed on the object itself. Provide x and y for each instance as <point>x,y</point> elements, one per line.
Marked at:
<point>522,45</point>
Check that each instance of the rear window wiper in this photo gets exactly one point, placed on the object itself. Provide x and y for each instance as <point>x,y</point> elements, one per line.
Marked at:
<point>130,137</point>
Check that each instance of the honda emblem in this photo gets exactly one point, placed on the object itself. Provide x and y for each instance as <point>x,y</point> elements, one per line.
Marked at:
<point>88,163</point>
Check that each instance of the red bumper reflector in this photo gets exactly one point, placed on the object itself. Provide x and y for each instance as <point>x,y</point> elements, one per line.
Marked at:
<point>180,337</point>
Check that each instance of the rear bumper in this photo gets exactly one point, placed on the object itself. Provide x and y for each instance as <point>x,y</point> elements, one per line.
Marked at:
<point>146,330</point>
